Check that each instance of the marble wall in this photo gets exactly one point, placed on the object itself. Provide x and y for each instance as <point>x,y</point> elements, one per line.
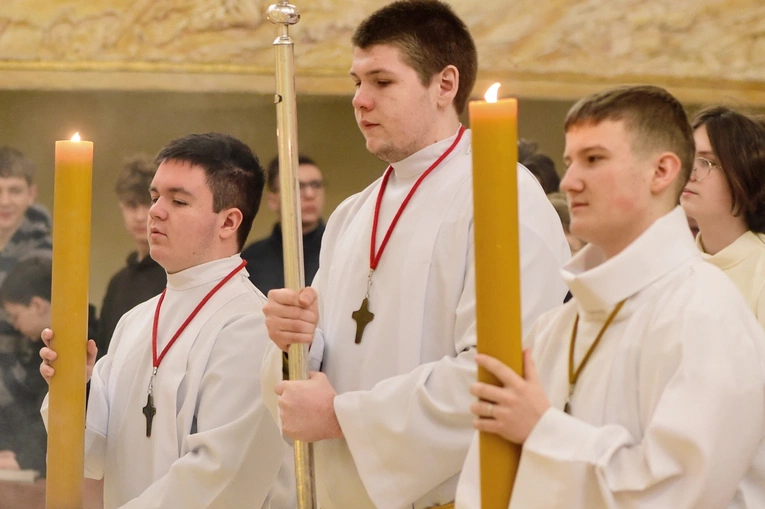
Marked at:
<point>701,49</point>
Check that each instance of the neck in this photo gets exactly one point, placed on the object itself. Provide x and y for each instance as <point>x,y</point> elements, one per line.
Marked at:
<point>718,233</point>
<point>615,245</point>
<point>443,128</point>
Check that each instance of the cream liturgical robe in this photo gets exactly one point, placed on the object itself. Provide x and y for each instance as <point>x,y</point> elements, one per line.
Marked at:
<point>403,401</point>
<point>744,262</point>
<point>213,444</point>
<point>669,412</point>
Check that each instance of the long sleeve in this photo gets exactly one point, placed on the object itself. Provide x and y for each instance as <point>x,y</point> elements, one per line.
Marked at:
<point>701,435</point>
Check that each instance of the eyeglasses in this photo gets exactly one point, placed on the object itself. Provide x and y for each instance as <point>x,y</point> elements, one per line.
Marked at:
<point>314,185</point>
<point>702,167</point>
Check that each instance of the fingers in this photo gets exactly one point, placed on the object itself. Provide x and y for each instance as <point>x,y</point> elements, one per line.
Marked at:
<point>46,370</point>
<point>308,297</point>
<point>529,367</point>
<point>46,335</point>
<point>284,297</point>
<point>488,392</point>
<point>504,373</point>
<point>484,409</point>
<point>279,387</point>
<point>92,352</point>
<point>291,317</point>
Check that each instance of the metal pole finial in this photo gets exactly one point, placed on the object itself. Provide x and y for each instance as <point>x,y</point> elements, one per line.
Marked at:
<point>283,13</point>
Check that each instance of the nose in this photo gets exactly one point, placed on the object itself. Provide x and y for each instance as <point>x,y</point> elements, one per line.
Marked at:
<point>361,99</point>
<point>570,183</point>
<point>157,210</point>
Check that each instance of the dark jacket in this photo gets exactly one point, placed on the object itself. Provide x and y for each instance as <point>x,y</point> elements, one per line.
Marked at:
<point>135,283</point>
<point>265,260</point>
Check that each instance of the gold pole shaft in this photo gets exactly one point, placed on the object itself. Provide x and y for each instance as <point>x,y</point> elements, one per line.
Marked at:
<point>283,15</point>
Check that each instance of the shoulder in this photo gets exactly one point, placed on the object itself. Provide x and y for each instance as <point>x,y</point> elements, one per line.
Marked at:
<point>700,305</point>
<point>548,333</point>
<point>348,208</point>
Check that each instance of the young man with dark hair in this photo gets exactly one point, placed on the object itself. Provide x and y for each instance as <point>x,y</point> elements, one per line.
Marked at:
<point>389,409</point>
<point>646,389</point>
<point>265,261</point>
<point>25,299</point>
<point>24,233</point>
<point>174,415</point>
<point>142,278</point>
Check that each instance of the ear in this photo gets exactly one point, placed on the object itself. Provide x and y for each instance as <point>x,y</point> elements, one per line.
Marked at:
<point>274,202</point>
<point>39,305</point>
<point>232,219</point>
<point>448,83</point>
<point>666,171</point>
<point>33,192</point>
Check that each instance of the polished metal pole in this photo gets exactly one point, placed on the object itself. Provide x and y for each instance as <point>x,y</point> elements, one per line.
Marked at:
<point>283,15</point>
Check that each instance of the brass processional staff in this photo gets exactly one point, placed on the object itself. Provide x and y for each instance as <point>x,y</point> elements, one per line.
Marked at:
<point>283,15</point>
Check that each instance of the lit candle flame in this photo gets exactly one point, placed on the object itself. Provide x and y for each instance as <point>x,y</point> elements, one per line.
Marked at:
<point>76,136</point>
<point>491,94</point>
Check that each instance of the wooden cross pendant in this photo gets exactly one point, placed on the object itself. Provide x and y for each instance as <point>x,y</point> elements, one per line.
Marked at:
<point>362,316</point>
<point>149,411</point>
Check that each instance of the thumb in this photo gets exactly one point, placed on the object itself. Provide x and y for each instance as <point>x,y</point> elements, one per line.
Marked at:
<point>529,367</point>
<point>279,388</point>
<point>307,297</point>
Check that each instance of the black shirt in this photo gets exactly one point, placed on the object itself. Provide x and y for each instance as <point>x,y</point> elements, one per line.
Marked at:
<point>135,283</point>
<point>265,261</point>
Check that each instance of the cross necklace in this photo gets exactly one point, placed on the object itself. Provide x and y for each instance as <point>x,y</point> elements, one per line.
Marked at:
<point>363,315</point>
<point>573,375</point>
<point>149,411</point>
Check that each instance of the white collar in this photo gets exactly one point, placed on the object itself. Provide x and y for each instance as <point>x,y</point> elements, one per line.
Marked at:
<point>599,284</point>
<point>421,160</point>
<point>203,274</point>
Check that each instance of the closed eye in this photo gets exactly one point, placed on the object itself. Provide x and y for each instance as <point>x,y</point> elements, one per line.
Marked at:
<point>592,159</point>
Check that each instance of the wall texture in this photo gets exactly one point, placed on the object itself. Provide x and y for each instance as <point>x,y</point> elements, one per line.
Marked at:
<point>701,49</point>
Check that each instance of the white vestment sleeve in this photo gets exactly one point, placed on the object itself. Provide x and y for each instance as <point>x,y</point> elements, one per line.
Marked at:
<point>698,443</point>
<point>271,372</point>
<point>234,433</point>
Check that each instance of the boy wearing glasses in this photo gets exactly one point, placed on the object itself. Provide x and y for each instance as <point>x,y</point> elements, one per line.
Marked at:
<point>264,257</point>
<point>646,389</point>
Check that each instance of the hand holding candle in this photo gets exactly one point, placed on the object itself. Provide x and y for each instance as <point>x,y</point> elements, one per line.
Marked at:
<point>69,320</point>
<point>497,258</point>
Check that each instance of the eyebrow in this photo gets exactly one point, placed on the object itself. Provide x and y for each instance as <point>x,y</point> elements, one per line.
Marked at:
<point>174,190</point>
<point>590,148</point>
<point>369,73</point>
